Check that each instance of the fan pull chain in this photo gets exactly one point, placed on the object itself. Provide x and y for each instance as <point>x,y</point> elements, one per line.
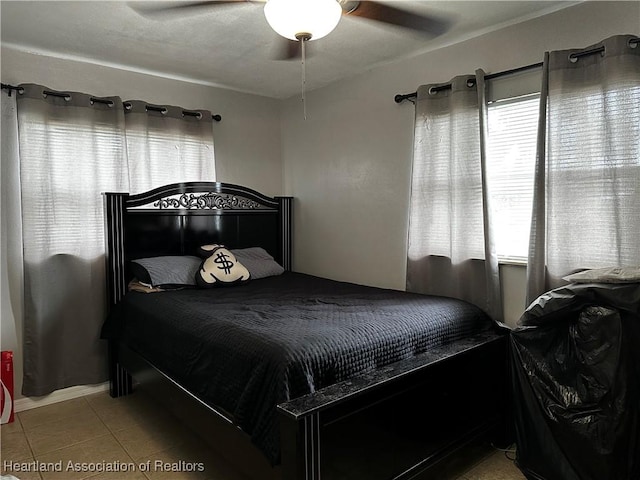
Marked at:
<point>304,79</point>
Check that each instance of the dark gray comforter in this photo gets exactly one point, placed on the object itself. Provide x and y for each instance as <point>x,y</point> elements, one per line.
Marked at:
<point>245,349</point>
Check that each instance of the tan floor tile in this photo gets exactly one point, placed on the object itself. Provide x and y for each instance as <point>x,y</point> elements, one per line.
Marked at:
<point>143,440</point>
<point>23,475</point>
<point>15,446</point>
<point>215,466</point>
<point>15,449</point>
<point>66,432</point>
<point>84,459</point>
<point>132,475</point>
<point>125,412</point>
<point>119,418</point>
<point>496,467</point>
<point>190,461</point>
<point>12,427</point>
<point>35,417</point>
<point>103,400</point>
<point>162,422</point>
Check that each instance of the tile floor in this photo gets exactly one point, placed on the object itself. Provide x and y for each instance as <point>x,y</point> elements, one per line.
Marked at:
<point>131,431</point>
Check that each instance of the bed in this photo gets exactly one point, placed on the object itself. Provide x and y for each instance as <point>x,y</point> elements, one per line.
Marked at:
<point>293,376</point>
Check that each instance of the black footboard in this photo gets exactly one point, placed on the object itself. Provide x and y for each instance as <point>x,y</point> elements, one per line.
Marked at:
<point>403,421</point>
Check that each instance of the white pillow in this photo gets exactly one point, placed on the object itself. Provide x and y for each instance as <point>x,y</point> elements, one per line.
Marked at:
<point>221,268</point>
<point>606,275</point>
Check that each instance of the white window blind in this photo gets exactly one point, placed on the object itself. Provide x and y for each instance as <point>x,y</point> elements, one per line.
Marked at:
<point>167,147</point>
<point>511,152</point>
<point>65,164</point>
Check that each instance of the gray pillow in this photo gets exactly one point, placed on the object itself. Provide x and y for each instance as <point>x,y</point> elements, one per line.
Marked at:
<point>166,272</point>
<point>259,263</point>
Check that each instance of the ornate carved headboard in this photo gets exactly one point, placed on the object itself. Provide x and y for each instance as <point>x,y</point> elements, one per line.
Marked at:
<point>176,219</point>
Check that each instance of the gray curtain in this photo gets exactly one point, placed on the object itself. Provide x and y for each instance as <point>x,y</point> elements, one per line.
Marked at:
<point>451,250</point>
<point>167,144</point>
<point>11,278</point>
<point>587,186</point>
<point>71,149</point>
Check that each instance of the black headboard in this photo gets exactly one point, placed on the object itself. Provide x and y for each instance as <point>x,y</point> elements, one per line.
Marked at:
<point>176,219</point>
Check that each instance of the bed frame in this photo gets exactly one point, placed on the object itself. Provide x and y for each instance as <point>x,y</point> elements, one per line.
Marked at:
<point>403,421</point>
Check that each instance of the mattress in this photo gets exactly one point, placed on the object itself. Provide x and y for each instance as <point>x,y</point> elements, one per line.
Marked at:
<point>245,349</point>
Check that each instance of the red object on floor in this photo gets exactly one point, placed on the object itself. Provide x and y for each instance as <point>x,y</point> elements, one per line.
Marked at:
<point>6,399</point>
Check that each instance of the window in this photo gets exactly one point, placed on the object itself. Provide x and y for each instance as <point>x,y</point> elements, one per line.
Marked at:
<point>511,153</point>
<point>66,160</point>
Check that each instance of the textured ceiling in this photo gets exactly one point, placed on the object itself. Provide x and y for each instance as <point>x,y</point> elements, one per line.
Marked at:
<point>232,45</point>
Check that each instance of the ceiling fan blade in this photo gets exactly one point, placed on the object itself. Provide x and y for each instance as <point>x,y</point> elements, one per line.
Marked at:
<point>395,16</point>
<point>159,9</point>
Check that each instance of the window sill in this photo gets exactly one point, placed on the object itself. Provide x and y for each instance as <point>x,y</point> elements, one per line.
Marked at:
<point>519,262</point>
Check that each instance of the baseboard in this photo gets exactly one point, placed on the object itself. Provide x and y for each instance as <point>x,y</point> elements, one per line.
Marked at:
<point>27,403</point>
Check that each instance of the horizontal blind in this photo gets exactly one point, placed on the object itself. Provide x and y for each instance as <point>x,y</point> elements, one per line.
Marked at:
<point>66,160</point>
<point>511,152</point>
<point>593,178</point>
<point>165,146</point>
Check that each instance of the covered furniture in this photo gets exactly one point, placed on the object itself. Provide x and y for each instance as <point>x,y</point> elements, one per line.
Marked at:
<point>576,383</point>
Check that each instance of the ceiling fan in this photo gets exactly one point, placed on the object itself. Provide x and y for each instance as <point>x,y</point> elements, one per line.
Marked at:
<point>299,21</point>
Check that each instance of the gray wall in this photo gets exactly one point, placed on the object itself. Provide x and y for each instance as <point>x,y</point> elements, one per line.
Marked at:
<point>349,164</point>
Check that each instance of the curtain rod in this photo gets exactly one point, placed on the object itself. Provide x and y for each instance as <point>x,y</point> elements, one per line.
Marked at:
<point>573,57</point>
<point>407,96</point>
<point>10,88</point>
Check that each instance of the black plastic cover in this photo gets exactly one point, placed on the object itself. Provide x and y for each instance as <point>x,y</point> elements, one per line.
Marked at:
<point>575,361</point>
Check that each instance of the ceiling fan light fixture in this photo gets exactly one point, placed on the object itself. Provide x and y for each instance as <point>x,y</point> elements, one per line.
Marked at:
<point>312,19</point>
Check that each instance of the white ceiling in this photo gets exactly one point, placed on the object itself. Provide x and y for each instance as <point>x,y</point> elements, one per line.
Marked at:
<point>232,45</point>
